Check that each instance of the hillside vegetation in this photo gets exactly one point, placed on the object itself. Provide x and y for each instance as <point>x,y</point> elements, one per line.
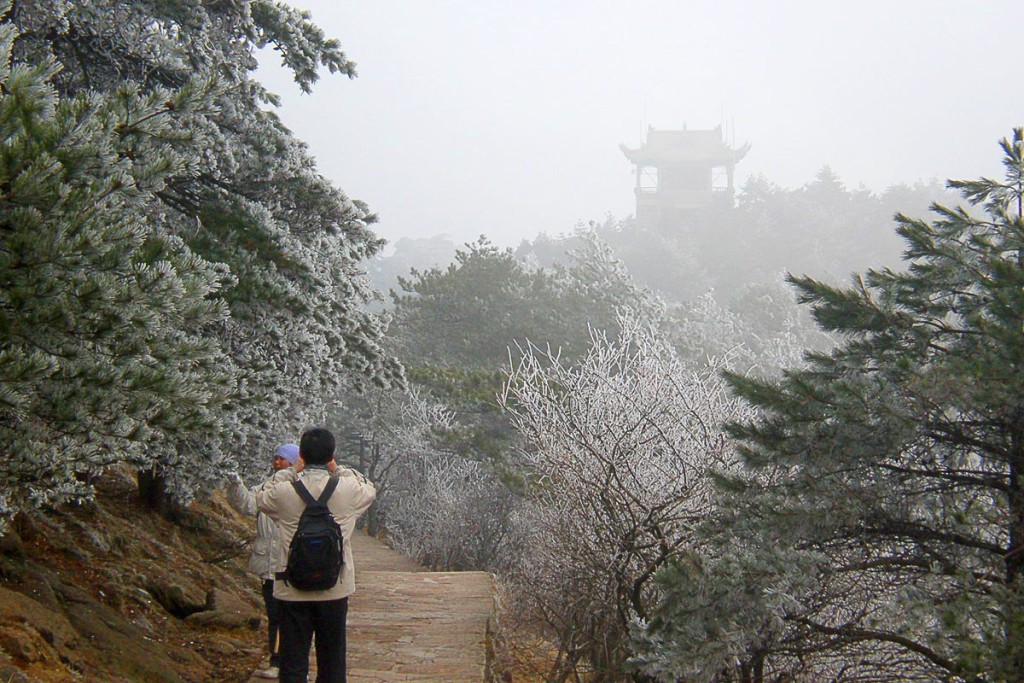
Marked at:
<point>108,591</point>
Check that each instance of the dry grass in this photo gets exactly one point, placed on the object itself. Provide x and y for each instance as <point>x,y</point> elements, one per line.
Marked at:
<point>521,653</point>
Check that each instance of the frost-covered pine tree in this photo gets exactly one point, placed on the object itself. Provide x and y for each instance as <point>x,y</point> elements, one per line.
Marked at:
<point>103,321</point>
<point>252,202</point>
<point>883,521</point>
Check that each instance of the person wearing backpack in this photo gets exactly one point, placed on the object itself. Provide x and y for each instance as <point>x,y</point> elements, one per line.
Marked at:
<point>265,550</point>
<point>316,504</point>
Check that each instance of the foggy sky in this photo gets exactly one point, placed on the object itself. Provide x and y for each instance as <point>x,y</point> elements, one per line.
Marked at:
<point>504,118</point>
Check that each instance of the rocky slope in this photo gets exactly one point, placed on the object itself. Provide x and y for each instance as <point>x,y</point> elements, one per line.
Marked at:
<point>111,592</point>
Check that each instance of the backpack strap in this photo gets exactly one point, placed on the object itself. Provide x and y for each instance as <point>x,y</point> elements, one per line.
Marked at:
<point>308,498</point>
<point>304,493</point>
<point>328,490</point>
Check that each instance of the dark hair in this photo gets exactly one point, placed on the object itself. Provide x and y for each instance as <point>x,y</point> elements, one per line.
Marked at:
<point>316,447</point>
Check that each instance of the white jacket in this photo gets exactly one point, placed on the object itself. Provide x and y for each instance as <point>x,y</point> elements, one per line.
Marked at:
<point>266,547</point>
<point>278,499</point>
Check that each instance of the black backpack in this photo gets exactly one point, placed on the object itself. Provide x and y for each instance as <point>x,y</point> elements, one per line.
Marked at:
<point>315,555</point>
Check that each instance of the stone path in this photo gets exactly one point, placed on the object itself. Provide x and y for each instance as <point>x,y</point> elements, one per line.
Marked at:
<point>408,625</point>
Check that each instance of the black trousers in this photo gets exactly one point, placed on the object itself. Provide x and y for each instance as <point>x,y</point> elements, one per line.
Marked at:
<point>300,622</point>
<point>273,606</point>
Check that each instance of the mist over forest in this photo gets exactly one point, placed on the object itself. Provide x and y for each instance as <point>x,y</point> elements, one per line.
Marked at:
<point>741,431</point>
<point>823,229</point>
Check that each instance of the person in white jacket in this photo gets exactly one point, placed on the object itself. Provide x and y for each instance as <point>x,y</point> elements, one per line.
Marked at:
<point>265,552</point>
<point>319,614</point>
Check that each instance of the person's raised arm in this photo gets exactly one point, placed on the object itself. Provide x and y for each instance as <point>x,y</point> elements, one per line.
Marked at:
<point>240,497</point>
<point>361,490</point>
<point>268,494</point>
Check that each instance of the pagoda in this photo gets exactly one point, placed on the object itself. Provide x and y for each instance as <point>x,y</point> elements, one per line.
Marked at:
<point>680,170</point>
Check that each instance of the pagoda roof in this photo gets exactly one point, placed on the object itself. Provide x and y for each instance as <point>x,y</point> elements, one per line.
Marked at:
<point>674,147</point>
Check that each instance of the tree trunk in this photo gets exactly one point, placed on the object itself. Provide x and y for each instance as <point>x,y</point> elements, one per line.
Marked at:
<point>1015,557</point>
<point>372,521</point>
<point>153,490</point>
